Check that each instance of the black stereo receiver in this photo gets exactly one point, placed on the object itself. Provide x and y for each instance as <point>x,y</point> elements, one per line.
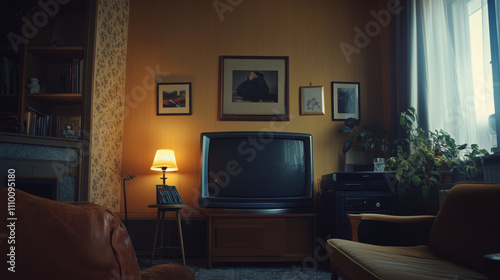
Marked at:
<point>359,181</point>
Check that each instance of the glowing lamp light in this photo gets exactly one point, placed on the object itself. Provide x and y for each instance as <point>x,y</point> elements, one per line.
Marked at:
<point>164,161</point>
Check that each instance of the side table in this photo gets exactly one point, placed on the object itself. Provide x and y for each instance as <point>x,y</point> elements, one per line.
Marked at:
<point>161,209</point>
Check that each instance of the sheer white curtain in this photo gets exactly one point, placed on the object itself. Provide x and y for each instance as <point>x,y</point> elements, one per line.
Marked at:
<point>444,82</point>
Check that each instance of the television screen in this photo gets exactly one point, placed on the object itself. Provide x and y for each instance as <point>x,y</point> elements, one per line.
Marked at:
<point>256,169</point>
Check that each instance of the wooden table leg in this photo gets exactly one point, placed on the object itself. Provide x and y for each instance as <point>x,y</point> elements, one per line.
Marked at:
<point>156,234</point>
<point>162,232</point>
<point>180,236</point>
<point>209,243</point>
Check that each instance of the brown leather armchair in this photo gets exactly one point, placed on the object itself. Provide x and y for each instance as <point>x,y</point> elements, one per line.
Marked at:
<point>57,240</point>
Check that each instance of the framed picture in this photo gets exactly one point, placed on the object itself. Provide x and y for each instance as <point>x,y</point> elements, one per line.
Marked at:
<point>254,88</point>
<point>345,101</point>
<point>173,99</point>
<point>69,126</point>
<point>312,101</point>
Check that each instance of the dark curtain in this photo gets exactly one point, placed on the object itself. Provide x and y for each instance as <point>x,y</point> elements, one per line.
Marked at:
<point>402,36</point>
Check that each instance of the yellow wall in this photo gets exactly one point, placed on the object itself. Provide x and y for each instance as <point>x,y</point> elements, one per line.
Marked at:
<point>181,41</point>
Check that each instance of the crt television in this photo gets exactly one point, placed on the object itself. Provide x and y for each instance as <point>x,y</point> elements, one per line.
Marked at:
<point>250,169</point>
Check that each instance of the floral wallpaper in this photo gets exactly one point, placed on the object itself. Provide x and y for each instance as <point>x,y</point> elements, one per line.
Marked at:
<point>107,102</point>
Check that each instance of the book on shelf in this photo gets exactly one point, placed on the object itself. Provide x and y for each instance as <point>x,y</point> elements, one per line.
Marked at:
<point>9,121</point>
<point>40,124</point>
<point>75,77</point>
<point>65,78</point>
<point>80,77</point>
<point>9,76</point>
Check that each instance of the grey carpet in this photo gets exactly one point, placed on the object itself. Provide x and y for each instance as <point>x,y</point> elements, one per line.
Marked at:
<point>245,271</point>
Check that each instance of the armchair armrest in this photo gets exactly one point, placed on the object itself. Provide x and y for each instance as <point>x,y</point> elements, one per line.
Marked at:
<point>384,229</point>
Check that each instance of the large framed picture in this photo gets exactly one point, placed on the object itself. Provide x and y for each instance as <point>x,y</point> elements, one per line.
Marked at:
<point>312,101</point>
<point>345,101</point>
<point>254,88</point>
<point>173,99</point>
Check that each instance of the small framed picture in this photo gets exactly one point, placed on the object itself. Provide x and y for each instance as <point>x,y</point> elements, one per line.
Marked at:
<point>69,127</point>
<point>254,88</point>
<point>312,100</point>
<point>173,99</point>
<point>345,101</point>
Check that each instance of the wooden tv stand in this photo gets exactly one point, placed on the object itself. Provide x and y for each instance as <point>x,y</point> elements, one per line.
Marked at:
<point>259,235</point>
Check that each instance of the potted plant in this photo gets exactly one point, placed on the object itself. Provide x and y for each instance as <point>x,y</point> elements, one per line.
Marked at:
<point>422,159</point>
<point>373,139</point>
<point>471,165</point>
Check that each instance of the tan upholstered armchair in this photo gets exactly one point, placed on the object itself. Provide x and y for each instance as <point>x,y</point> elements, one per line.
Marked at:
<point>391,230</point>
<point>466,229</point>
<point>56,240</point>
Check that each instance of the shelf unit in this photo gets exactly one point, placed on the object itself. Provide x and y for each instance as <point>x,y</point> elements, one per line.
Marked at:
<point>55,46</point>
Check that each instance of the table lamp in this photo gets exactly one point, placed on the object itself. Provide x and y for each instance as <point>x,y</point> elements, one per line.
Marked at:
<point>164,161</point>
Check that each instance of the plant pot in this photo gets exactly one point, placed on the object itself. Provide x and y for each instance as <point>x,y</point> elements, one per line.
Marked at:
<point>411,202</point>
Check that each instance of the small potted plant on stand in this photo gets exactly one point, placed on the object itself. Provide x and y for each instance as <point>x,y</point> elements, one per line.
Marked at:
<point>372,139</point>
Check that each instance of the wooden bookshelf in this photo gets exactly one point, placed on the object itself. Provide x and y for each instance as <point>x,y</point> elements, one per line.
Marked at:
<point>60,55</point>
<point>56,97</point>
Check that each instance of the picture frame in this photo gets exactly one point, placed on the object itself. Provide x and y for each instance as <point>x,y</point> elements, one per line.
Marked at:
<point>254,88</point>
<point>345,101</point>
<point>69,127</point>
<point>312,100</point>
<point>173,99</point>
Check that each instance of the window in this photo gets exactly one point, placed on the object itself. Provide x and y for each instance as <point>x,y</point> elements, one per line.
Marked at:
<point>452,82</point>
<point>494,24</point>
<point>481,71</point>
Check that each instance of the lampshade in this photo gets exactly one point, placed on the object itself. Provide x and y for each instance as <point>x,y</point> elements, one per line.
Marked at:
<point>164,158</point>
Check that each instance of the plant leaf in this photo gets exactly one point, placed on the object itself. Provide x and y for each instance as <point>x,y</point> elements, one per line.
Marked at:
<point>346,129</point>
<point>415,180</point>
<point>399,173</point>
<point>352,122</point>
<point>461,147</point>
<point>348,145</point>
<point>472,170</point>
